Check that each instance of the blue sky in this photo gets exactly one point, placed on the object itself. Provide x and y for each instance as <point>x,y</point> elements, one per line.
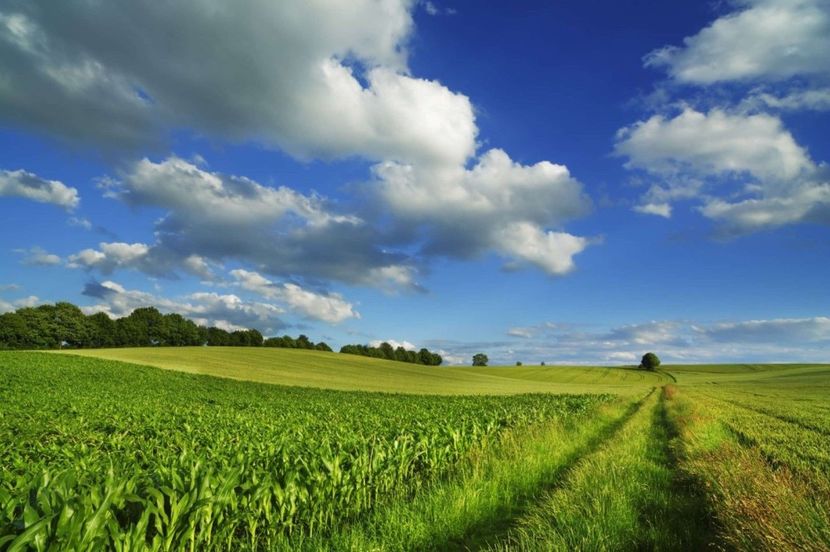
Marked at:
<point>561,182</point>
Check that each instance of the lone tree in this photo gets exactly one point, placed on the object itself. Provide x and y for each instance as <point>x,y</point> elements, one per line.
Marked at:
<point>480,359</point>
<point>650,362</point>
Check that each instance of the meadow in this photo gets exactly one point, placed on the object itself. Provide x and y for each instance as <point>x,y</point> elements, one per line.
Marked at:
<point>252,449</point>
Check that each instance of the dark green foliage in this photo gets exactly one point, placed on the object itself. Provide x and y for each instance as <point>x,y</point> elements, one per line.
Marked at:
<point>650,362</point>
<point>518,363</point>
<point>302,342</point>
<point>103,455</point>
<point>386,351</point>
<point>480,359</point>
<point>65,326</point>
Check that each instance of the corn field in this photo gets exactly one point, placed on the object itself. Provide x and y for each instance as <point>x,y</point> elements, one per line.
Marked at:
<point>103,455</point>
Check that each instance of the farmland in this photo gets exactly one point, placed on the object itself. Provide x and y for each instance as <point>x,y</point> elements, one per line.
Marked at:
<point>353,373</point>
<point>108,454</point>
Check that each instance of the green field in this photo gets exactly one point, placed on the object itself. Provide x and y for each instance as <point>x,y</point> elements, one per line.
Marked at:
<point>356,373</point>
<point>107,454</point>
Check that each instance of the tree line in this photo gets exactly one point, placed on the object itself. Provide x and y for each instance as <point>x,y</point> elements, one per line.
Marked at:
<point>64,325</point>
<point>301,342</point>
<point>386,351</point>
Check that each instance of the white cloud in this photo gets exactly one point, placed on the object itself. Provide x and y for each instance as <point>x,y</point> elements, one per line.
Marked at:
<point>778,182</point>
<point>793,330</point>
<point>434,9</point>
<point>37,256</point>
<point>497,204</point>
<point>625,357</point>
<point>658,209</point>
<point>647,334</point>
<point>80,222</point>
<point>393,278</point>
<point>111,256</point>
<point>227,311</point>
<point>292,69</point>
<point>551,251</point>
<point>659,197</point>
<point>716,142</point>
<point>332,307</point>
<point>796,100</point>
<point>394,343</point>
<point>524,332</point>
<point>343,90</point>
<point>773,340</point>
<point>29,301</point>
<point>211,217</point>
<point>30,186</point>
<point>809,202</point>
<point>764,40</point>
<point>197,197</point>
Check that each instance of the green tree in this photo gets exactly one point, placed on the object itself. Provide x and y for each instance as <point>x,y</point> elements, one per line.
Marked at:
<point>650,362</point>
<point>101,330</point>
<point>480,359</point>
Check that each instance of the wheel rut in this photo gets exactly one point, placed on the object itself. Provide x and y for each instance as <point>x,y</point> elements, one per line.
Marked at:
<point>486,532</point>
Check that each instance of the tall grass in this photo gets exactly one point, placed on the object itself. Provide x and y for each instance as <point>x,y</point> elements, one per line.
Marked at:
<point>624,496</point>
<point>759,503</point>
<point>496,485</point>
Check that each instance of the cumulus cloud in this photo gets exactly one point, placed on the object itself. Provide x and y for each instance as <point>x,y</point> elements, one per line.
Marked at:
<point>343,90</point>
<point>763,40</point>
<point>226,311</point>
<point>24,184</point>
<point>275,82</point>
<point>778,182</point>
<point>112,256</point>
<point>794,100</point>
<point>394,343</point>
<point>497,204</point>
<point>331,307</point>
<point>659,197</point>
<point>37,256</point>
<point>658,209</point>
<point>8,306</point>
<point>713,142</point>
<point>197,197</point>
<point>212,217</point>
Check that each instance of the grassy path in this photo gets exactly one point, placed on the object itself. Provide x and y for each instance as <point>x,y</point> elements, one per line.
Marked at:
<point>626,495</point>
<point>608,483</point>
<point>499,485</point>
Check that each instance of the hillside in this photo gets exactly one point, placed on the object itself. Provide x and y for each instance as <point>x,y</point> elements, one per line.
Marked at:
<point>349,373</point>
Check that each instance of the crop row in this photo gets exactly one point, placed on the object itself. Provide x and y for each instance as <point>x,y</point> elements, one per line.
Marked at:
<point>761,483</point>
<point>799,407</point>
<point>803,450</point>
<point>108,455</point>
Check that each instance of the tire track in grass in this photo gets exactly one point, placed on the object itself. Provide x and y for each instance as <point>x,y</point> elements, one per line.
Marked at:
<point>489,530</point>
<point>772,414</point>
<point>500,483</point>
<point>627,495</point>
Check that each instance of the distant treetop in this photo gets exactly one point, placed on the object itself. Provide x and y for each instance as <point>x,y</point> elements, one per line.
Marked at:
<point>650,362</point>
